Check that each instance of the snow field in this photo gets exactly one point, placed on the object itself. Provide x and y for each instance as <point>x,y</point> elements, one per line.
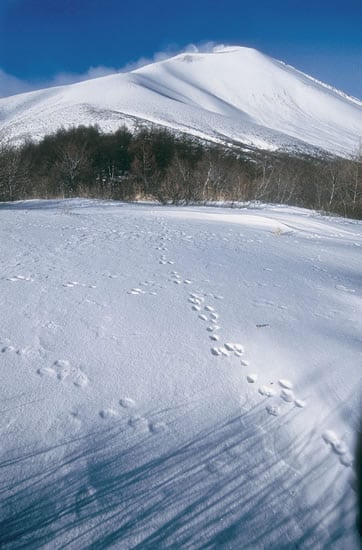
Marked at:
<point>178,376</point>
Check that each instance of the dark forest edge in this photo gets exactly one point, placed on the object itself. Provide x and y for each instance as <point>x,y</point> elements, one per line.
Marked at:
<point>153,163</point>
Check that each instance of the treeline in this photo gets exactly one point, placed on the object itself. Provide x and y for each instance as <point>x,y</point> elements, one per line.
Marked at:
<point>156,164</point>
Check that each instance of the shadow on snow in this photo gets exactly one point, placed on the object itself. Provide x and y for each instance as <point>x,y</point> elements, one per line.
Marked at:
<point>234,486</point>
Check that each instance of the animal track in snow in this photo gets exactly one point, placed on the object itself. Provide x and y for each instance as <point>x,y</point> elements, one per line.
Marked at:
<point>127,403</point>
<point>220,351</point>
<point>273,410</point>
<point>267,391</point>
<point>148,287</point>
<point>197,298</point>
<point>7,349</point>
<point>287,395</point>
<point>157,427</point>
<point>138,422</point>
<point>203,317</point>
<point>62,370</point>
<point>46,371</point>
<point>108,414</point>
<point>285,384</point>
<point>338,447</point>
<point>136,291</point>
<point>252,378</point>
<point>212,328</point>
<point>16,278</point>
<point>71,284</point>
<point>238,349</point>
<point>80,379</point>
<point>330,437</point>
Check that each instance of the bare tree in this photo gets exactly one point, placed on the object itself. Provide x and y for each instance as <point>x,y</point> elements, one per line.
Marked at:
<point>12,173</point>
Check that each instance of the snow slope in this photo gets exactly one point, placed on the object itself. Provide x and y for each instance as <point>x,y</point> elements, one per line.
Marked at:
<point>177,377</point>
<point>233,94</point>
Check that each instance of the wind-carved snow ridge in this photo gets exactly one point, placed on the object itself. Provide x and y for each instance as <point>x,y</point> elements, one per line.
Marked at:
<point>230,94</point>
<point>328,87</point>
<point>166,381</point>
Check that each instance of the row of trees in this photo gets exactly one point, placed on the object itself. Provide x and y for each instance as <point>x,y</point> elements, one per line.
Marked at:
<point>154,163</point>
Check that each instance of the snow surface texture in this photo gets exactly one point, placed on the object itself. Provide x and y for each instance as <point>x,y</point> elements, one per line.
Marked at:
<point>178,377</point>
<point>231,95</point>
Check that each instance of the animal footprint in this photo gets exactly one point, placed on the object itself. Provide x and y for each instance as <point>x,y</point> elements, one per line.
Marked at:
<point>61,368</point>
<point>338,447</point>
<point>127,403</point>
<point>287,395</point>
<point>285,384</point>
<point>19,278</point>
<point>108,414</point>
<point>212,328</point>
<point>267,391</point>
<point>273,410</point>
<point>43,371</point>
<point>136,291</point>
<point>220,351</point>
<point>7,349</point>
<point>80,379</point>
<point>157,427</point>
<point>138,423</point>
<point>238,349</point>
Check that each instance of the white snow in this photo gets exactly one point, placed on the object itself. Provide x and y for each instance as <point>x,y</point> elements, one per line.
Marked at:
<point>231,94</point>
<point>123,425</point>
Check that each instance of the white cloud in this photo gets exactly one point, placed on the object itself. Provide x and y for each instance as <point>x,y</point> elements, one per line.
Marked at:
<point>11,85</point>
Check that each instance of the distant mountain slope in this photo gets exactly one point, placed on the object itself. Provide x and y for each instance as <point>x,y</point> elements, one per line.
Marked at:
<point>233,94</point>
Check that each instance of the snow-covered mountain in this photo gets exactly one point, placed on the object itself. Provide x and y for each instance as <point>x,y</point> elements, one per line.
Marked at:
<point>233,94</point>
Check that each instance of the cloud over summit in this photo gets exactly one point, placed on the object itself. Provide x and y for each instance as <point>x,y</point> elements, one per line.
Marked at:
<point>11,85</point>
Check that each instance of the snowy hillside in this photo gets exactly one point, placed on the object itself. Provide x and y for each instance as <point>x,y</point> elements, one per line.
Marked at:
<point>178,377</point>
<point>233,94</point>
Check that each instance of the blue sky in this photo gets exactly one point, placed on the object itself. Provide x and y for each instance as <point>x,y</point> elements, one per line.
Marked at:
<point>46,42</point>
